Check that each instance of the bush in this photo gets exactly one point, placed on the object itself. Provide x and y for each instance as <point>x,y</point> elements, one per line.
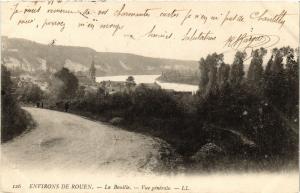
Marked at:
<point>30,93</point>
<point>155,103</point>
<point>64,84</point>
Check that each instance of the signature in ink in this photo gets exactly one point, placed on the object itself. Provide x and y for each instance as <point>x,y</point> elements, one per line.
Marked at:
<point>251,41</point>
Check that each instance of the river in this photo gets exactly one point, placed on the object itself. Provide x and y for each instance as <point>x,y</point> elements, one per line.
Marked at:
<point>151,79</point>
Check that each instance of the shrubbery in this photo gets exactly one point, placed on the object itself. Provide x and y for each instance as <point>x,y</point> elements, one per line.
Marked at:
<point>30,94</point>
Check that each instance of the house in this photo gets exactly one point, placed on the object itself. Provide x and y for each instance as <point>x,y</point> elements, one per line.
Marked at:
<point>112,87</point>
<point>153,86</point>
<point>27,80</point>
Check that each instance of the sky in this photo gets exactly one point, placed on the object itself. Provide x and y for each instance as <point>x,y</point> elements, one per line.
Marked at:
<point>139,27</point>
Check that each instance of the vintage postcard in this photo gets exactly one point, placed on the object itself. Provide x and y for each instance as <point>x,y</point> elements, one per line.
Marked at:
<point>149,96</point>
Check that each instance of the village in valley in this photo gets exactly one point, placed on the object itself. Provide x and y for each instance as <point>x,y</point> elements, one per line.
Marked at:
<point>87,80</point>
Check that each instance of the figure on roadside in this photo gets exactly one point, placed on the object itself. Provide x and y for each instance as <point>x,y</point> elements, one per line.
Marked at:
<point>38,104</point>
<point>66,106</point>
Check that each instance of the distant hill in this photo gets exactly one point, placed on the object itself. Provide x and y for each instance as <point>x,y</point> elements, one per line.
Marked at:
<point>32,56</point>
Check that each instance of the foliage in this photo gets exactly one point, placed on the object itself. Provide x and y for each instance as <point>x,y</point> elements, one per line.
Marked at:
<point>208,72</point>
<point>154,103</point>
<point>64,84</point>
<point>30,93</point>
<point>237,68</point>
<point>256,106</point>
<point>14,120</point>
<point>130,82</point>
<point>281,84</point>
<point>255,71</point>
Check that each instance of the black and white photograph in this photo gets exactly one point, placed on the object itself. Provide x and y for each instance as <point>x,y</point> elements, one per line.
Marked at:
<point>149,96</point>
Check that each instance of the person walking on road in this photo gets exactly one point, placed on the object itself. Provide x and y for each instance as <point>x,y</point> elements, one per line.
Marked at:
<point>66,106</point>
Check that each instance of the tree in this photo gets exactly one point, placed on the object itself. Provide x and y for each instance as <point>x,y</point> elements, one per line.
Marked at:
<point>223,74</point>
<point>268,67</point>
<point>212,83</point>
<point>92,72</point>
<point>130,82</point>
<point>277,65</point>
<point>255,72</point>
<point>275,86</point>
<point>64,84</point>
<point>208,70</point>
<point>203,67</point>
<point>30,93</point>
<point>292,70</point>
<point>237,69</point>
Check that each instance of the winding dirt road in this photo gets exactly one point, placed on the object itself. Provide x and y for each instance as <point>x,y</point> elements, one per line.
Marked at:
<point>66,141</point>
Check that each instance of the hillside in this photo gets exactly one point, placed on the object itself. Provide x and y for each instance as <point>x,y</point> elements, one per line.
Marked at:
<point>32,56</point>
